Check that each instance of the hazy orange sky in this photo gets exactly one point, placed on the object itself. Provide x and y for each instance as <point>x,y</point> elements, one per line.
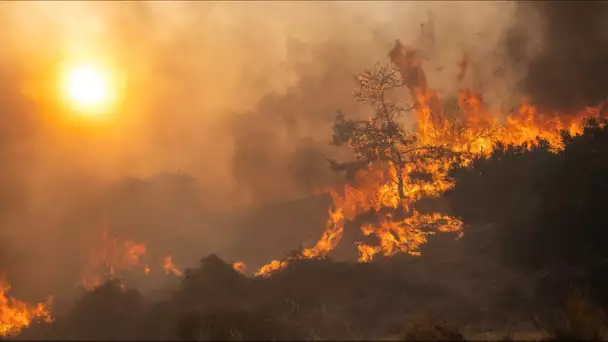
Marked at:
<point>190,66</point>
<point>239,95</point>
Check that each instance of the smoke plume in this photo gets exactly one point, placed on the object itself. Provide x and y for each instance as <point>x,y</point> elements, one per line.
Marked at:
<point>228,107</point>
<point>569,70</point>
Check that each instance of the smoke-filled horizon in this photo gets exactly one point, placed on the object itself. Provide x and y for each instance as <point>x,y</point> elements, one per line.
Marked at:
<point>226,105</point>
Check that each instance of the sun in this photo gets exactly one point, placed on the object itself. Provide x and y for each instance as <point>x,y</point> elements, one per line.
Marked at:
<point>89,89</point>
<point>87,86</point>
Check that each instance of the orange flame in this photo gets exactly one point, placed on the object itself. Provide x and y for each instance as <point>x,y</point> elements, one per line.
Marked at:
<point>170,267</point>
<point>16,314</point>
<point>240,267</point>
<point>109,256</point>
<point>331,236</point>
<point>471,130</point>
<point>329,240</point>
<point>406,235</point>
<point>271,267</point>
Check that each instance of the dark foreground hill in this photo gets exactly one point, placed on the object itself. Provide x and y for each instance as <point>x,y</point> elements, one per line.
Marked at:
<point>310,299</point>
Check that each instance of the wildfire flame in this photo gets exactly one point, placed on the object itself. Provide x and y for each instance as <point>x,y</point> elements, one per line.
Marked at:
<point>404,236</point>
<point>271,267</point>
<point>170,267</point>
<point>472,130</point>
<point>16,314</point>
<point>240,267</point>
<point>109,256</point>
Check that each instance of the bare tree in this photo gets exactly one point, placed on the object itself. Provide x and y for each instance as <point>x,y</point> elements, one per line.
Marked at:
<point>381,139</point>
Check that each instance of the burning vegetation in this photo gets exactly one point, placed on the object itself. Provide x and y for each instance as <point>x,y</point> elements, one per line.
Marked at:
<point>16,314</point>
<point>459,150</point>
<point>170,267</point>
<point>108,257</point>
<point>111,258</point>
<point>394,168</point>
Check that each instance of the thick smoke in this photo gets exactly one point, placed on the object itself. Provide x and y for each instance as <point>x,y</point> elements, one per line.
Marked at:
<point>569,71</point>
<point>231,103</point>
<point>281,145</point>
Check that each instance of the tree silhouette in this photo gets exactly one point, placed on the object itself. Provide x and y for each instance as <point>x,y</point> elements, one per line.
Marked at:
<point>380,141</point>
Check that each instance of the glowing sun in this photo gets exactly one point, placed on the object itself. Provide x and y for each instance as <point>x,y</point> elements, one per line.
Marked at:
<point>87,86</point>
<point>89,89</point>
